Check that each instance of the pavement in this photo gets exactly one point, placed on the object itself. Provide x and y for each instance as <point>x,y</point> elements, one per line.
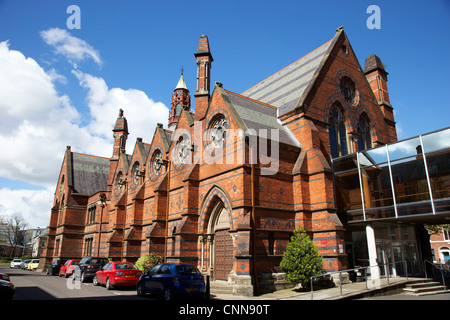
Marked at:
<point>354,290</point>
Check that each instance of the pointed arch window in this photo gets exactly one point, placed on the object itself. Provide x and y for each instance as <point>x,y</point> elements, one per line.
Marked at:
<point>365,137</point>
<point>61,210</point>
<point>338,132</point>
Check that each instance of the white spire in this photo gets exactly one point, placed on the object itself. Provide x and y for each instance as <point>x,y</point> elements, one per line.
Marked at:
<point>181,83</point>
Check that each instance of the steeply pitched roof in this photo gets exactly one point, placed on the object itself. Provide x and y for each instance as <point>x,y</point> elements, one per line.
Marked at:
<point>89,174</point>
<point>373,62</point>
<point>285,88</point>
<point>257,115</point>
<point>203,47</point>
<point>181,83</point>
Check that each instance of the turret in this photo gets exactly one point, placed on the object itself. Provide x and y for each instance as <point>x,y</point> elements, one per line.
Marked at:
<point>180,100</point>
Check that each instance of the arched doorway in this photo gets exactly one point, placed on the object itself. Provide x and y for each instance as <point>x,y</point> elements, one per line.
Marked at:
<point>219,226</point>
<point>444,254</point>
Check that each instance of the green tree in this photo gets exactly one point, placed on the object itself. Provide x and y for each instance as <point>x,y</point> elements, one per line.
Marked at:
<point>148,261</point>
<point>301,260</point>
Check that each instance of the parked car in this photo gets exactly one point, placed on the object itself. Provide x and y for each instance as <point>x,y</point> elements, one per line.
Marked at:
<point>7,289</point>
<point>24,265</point>
<point>117,274</point>
<point>172,279</point>
<point>4,276</point>
<point>67,269</point>
<point>87,268</point>
<point>15,263</point>
<point>53,269</point>
<point>34,263</point>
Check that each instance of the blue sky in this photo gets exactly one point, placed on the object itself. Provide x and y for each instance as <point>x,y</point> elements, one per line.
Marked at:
<point>129,54</point>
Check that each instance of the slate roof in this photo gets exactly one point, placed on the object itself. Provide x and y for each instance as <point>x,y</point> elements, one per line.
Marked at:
<point>285,88</point>
<point>257,115</point>
<point>89,174</point>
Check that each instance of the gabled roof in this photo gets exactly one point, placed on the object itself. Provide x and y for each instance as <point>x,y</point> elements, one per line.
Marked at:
<point>143,149</point>
<point>87,174</point>
<point>286,88</point>
<point>252,114</point>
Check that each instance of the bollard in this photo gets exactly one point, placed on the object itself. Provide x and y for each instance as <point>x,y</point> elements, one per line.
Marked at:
<point>207,291</point>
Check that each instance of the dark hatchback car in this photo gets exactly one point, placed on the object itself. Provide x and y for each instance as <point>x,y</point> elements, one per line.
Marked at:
<point>172,279</point>
<point>53,269</point>
<point>87,268</point>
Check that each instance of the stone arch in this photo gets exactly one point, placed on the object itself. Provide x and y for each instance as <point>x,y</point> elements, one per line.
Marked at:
<point>219,218</point>
<point>215,194</point>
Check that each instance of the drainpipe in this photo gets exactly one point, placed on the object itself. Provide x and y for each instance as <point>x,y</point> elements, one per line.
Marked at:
<point>252,179</point>
<point>123,234</point>
<point>167,211</point>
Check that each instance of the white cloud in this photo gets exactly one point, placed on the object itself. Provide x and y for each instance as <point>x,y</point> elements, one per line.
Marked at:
<point>31,205</point>
<point>73,48</point>
<point>56,77</point>
<point>37,123</point>
<point>142,112</point>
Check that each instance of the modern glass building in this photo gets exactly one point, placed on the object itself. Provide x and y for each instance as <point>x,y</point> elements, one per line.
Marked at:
<point>386,194</point>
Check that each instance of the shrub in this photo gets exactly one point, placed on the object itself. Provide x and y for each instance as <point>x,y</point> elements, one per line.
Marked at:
<point>146,262</point>
<point>301,260</point>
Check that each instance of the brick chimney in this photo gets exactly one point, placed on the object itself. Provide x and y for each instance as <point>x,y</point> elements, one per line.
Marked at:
<point>377,77</point>
<point>204,60</point>
<point>120,133</point>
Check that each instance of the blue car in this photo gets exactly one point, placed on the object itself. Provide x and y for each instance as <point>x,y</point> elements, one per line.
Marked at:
<point>172,279</point>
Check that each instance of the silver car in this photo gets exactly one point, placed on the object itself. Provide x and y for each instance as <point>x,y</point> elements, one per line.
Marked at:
<point>24,264</point>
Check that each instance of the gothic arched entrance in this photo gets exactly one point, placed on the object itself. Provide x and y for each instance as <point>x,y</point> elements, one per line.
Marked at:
<point>216,240</point>
<point>223,242</point>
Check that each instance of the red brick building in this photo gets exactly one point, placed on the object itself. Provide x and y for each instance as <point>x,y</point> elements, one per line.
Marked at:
<point>224,187</point>
<point>440,245</point>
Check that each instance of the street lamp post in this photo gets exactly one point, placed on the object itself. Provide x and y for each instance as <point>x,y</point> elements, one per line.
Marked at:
<point>102,205</point>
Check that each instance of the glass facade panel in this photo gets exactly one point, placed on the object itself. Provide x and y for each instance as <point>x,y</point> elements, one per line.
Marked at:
<point>396,180</point>
<point>378,198</point>
<point>404,149</point>
<point>376,156</point>
<point>438,164</point>
<point>411,186</point>
<point>348,191</point>
<point>376,184</point>
<point>436,140</point>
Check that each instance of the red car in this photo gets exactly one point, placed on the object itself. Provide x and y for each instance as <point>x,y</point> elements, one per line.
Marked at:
<point>117,274</point>
<point>7,289</point>
<point>67,269</point>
